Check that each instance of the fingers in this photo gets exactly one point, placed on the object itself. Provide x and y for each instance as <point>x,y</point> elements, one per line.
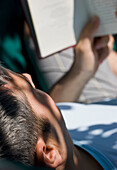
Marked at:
<point>91,28</point>
<point>111,42</point>
<point>103,46</point>
<point>87,36</point>
<point>104,41</point>
<point>101,42</point>
<point>103,53</point>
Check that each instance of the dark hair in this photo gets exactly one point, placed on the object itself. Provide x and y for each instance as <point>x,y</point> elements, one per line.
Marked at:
<point>19,128</point>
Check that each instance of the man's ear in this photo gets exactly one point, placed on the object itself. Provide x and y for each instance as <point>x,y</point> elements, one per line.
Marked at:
<point>47,154</point>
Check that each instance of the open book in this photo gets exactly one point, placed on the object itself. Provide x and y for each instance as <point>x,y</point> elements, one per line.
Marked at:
<point>57,24</point>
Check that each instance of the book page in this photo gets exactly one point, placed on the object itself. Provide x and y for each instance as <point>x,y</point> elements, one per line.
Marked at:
<point>105,9</point>
<point>53,23</point>
<point>80,17</point>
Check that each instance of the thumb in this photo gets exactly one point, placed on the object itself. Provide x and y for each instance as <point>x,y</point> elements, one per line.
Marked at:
<point>91,28</point>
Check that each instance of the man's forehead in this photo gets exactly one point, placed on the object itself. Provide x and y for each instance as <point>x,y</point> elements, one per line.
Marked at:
<point>15,80</point>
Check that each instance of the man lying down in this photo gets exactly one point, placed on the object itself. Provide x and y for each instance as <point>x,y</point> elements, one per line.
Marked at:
<point>32,129</point>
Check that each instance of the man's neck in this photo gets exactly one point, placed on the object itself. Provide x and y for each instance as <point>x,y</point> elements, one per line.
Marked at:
<point>81,160</point>
<point>86,161</point>
<point>77,159</point>
<point>72,163</point>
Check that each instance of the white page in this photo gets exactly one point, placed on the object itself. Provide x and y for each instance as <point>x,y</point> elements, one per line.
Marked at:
<point>105,9</point>
<point>53,22</point>
<point>80,17</point>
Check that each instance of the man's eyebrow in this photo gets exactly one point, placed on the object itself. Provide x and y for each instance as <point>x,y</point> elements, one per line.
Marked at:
<point>9,77</point>
<point>21,76</point>
<point>25,78</point>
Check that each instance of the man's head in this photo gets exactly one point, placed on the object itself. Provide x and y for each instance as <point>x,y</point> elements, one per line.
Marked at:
<point>32,129</point>
<point>17,124</point>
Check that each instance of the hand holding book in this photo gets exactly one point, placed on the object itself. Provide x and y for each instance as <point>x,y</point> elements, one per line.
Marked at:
<point>90,51</point>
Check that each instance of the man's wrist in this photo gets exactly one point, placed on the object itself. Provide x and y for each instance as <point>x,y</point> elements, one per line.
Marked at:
<point>82,73</point>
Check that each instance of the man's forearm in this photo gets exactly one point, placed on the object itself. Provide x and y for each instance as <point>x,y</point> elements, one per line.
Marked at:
<point>69,88</point>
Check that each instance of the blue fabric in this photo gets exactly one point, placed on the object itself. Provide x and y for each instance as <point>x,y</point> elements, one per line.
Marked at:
<point>107,102</point>
<point>101,158</point>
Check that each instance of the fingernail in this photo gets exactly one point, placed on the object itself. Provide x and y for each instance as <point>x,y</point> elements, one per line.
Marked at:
<point>95,20</point>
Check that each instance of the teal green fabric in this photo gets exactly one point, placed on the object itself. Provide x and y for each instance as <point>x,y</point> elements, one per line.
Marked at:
<point>115,47</point>
<point>115,43</point>
<point>14,53</point>
<point>11,35</point>
<point>11,54</point>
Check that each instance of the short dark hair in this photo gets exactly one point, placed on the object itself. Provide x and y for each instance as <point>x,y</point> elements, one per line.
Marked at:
<point>19,128</point>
